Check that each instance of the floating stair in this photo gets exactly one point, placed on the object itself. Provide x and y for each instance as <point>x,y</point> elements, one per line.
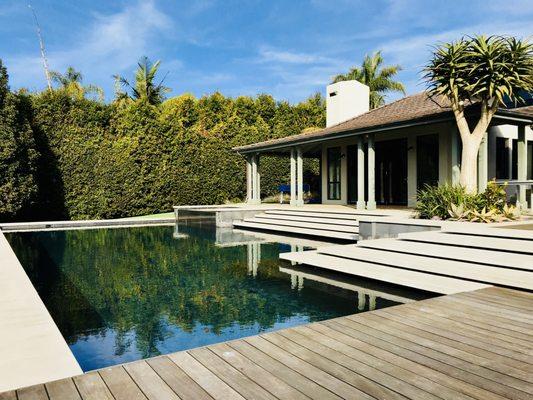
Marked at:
<point>330,225</point>
<point>443,262</point>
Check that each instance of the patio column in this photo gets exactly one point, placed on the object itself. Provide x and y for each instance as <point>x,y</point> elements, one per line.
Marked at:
<point>483,164</point>
<point>371,203</point>
<point>293,177</point>
<point>522,164</point>
<point>455,155</point>
<point>509,148</point>
<point>300,176</point>
<point>248,179</point>
<point>256,180</point>
<point>360,174</point>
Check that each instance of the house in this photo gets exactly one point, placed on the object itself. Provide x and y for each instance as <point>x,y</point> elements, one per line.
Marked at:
<point>382,156</point>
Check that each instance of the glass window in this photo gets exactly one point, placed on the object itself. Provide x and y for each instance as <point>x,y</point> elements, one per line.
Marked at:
<point>334,173</point>
<point>427,160</point>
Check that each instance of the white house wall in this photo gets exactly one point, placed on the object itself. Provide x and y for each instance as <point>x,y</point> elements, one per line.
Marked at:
<point>442,129</point>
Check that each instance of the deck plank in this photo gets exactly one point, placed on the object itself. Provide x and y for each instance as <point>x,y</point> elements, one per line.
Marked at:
<point>490,366</point>
<point>179,381</point>
<point>317,374</point>
<point>378,383</point>
<point>426,356</point>
<point>35,392</point>
<point>476,345</point>
<point>255,372</point>
<point>11,395</point>
<point>92,387</point>
<point>445,332</point>
<point>149,382</point>
<point>121,384</point>
<point>63,389</point>
<point>238,381</point>
<point>211,383</point>
<point>401,359</point>
<point>281,371</point>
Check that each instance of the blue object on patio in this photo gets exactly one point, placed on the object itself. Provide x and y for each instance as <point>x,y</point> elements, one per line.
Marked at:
<point>287,189</point>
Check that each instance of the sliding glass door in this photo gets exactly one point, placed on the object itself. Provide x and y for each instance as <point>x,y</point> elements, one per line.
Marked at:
<point>334,173</point>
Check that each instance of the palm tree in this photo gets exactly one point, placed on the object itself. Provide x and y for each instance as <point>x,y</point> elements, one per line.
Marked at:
<point>377,77</point>
<point>72,83</point>
<point>145,87</point>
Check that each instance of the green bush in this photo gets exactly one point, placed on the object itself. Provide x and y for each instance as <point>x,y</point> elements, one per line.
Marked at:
<point>83,159</point>
<point>18,154</point>
<point>453,202</point>
<point>435,201</point>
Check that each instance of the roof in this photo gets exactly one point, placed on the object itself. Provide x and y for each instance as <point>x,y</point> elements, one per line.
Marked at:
<point>415,108</point>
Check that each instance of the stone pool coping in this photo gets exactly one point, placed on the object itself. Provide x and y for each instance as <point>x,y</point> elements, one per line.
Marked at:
<point>83,224</point>
<point>32,347</point>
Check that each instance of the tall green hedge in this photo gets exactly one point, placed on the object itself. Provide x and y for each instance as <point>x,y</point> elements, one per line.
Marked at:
<point>77,159</point>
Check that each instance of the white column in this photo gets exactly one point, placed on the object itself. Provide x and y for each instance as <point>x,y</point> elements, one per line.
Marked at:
<point>522,164</point>
<point>300,176</point>
<point>455,156</point>
<point>361,301</point>
<point>360,174</point>
<point>371,203</point>
<point>509,148</point>
<point>293,177</point>
<point>483,164</point>
<point>248,179</point>
<point>256,184</point>
<point>492,153</point>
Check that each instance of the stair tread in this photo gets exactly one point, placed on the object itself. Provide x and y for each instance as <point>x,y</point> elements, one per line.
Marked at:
<point>484,230</point>
<point>480,256</point>
<point>463,240</point>
<point>314,214</point>
<point>414,279</point>
<point>300,224</point>
<point>303,231</point>
<point>333,221</point>
<point>457,269</point>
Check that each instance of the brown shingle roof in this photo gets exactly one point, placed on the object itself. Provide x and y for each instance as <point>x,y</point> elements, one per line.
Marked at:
<point>417,107</point>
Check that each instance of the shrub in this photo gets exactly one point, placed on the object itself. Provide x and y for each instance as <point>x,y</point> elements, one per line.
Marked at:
<point>74,158</point>
<point>454,203</point>
<point>436,201</point>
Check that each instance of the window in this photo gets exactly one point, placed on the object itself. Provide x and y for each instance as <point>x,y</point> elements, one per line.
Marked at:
<point>427,160</point>
<point>334,173</point>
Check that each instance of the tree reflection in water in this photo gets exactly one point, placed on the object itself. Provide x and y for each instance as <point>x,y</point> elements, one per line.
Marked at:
<point>123,294</point>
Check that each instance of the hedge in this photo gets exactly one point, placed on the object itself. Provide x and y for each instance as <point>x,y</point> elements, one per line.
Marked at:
<point>67,158</point>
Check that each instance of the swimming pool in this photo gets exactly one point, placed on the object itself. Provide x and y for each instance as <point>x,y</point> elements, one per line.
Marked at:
<point>124,294</point>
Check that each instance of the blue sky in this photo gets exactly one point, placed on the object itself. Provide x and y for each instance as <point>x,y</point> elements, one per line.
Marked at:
<point>289,49</point>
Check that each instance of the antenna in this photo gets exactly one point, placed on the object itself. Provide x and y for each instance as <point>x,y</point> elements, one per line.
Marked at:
<point>41,45</point>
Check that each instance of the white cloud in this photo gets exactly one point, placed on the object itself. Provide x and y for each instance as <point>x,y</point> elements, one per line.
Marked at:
<point>110,44</point>
<point>271,55</point>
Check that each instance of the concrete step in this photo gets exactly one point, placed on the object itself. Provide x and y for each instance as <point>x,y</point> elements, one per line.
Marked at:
<point>487,231</point>
<point>455,269</point>
<point>299,224</point>
<point>398,276</point>
<point>295,230</point>
<point>328,221</point>
<point>315,214</point>
<point>471,241</point>
<point>479,256</point>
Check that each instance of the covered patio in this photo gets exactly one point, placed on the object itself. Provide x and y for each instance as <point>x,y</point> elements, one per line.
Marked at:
<point>384,156</point>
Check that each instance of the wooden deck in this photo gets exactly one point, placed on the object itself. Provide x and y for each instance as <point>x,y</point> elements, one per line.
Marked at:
<point>475,345</point>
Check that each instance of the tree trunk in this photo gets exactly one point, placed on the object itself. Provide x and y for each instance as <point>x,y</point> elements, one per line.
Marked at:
<point>468,177</point>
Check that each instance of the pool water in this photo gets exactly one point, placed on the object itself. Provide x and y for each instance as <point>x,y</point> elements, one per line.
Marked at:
<point>119,295</point>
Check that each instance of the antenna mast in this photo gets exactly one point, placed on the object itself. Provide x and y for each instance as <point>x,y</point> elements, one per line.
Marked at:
<point>41,45</point>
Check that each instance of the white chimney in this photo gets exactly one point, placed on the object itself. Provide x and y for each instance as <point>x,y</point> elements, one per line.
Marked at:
<point>346,100</point>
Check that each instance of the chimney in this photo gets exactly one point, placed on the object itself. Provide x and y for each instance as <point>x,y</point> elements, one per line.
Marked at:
<point>346,100</point>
